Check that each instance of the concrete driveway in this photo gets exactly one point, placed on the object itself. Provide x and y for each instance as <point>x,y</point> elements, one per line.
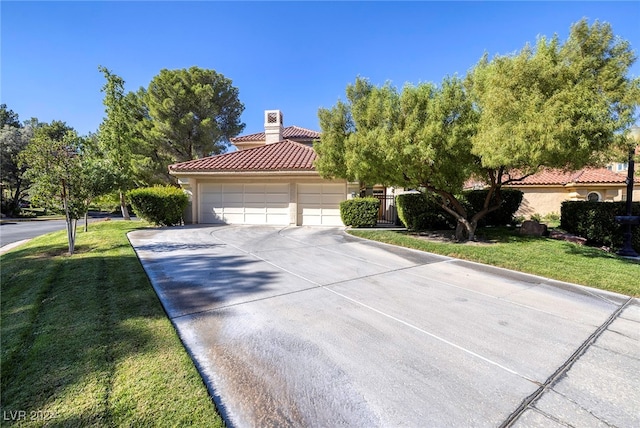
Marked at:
<point>313,327</point>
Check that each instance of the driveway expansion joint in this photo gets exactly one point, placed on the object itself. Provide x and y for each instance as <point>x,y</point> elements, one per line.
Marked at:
<point>529,402</point>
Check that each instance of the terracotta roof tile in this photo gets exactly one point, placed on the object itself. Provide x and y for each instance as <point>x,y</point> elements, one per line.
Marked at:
<point>555,177</point>
<point>282,156</point>
<point>583,176</point>
<point>290,132</point>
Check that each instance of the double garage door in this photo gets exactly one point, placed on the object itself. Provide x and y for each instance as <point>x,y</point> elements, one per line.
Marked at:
<point>255,203</point>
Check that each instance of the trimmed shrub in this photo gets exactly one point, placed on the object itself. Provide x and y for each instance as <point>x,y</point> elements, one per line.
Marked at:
<point>595,222</point>
<point>160,205</point>
<point>422,211</point>
<point>360,212</point>
<point>511,200</point>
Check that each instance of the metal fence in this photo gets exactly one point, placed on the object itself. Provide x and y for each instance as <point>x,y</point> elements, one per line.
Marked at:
<point>387,213</point>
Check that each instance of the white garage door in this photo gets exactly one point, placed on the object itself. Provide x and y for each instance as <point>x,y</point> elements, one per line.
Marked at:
<point>244,203</point>
<point>319,204</point>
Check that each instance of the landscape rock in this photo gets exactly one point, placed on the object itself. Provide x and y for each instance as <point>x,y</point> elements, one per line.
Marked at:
<point>563,236</point>
<point>533,228</point>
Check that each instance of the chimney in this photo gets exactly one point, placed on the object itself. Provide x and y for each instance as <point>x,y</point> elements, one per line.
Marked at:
<point>273,126</point>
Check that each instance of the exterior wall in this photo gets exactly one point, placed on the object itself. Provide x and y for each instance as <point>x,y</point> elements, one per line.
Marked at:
<point>545,200</point>
<point>244,145</point>
<point>193,185</point>
<point>541,200</point>
<point>248,145</point>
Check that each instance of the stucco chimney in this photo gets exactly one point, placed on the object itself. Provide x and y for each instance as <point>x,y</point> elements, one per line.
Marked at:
<point>273,127</point>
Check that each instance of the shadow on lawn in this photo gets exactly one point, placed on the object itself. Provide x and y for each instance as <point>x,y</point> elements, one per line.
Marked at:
<point>595,252</point>
<point>75,318</point>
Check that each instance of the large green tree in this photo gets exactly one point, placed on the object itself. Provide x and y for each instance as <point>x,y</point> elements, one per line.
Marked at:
<point>560,105</point>
<point>419,137</point>
<point>14,137</point>
<point>192,113</point>
<point>8,117</point>
<point>116,135</point>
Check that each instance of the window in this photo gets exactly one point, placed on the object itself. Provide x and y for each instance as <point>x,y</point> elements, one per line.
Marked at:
<point>594,197</point>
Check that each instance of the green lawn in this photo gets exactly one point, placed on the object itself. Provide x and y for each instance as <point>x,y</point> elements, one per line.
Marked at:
<point>550,258</point>
<point>85,341</point>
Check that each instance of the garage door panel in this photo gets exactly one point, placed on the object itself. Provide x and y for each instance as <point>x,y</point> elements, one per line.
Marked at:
<point>319,204</point>
<point>233,188</point>
<point>232,198</point>
<point>230,210</point>
<point>308,199</point>
<point>278,199</point>
<point>210,198</point>
<point>245,203</point>
<point>254,209</point>
<point>234,218</point>
<point>332,199</point>
<point>308,212</point>
<point>250,198</point>
<point>250,218</point>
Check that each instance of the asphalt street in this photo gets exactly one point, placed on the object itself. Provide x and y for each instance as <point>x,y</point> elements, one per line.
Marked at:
<point>13,230</point>
<point>313,327</point>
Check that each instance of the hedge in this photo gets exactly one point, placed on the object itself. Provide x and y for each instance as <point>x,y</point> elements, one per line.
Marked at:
<point>595,222</point>
<point>511,200</point>
<point>160,205</point>
<point>423,211</point>
<point>360,212</point>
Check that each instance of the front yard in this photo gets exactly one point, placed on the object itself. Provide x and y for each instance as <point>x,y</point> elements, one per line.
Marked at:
<point>85,341</point>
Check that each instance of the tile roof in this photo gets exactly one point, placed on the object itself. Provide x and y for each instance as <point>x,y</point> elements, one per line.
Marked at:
<point>556,177</point>
<point>290,132</point>
<point>582,176</point>
<point>282,156</point>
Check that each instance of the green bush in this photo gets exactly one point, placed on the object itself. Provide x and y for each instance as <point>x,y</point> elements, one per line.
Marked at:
<point>160,205</point>
<point>595,222</point>
<point>360,212</point>
<point>511,200</point>
<point>422,211</point>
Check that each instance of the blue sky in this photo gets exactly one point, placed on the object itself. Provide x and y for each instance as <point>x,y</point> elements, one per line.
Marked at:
<point>292,56</point>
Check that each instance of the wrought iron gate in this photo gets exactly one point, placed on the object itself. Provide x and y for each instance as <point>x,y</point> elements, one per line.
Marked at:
<point>387,213</point>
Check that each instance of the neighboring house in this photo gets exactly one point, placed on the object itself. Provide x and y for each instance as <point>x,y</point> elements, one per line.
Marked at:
<point>269,180</point>
<point>545,191</point>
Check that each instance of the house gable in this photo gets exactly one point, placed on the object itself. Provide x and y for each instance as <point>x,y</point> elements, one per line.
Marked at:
<point>282,156</point>
<point>274,131</point>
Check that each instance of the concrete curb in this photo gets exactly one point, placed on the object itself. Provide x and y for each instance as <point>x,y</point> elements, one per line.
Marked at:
<point>6,248</point>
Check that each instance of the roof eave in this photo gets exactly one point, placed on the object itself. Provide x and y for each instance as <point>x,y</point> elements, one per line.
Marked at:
<point>244,172</point>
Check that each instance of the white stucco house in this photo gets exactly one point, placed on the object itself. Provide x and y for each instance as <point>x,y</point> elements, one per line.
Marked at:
<point>270,180</point>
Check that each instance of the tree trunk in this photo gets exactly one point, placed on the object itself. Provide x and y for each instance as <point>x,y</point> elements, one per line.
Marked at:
<point>123,207</point>
<point>466,230</point>
<point>72,242</point>
<point>70,225</point>
<point>86,221</point>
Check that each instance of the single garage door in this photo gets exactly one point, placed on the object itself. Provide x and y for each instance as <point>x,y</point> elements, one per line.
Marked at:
<point>319,204</point>
<point>244,203</point>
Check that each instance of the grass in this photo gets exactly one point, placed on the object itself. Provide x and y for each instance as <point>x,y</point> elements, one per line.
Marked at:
<point>550,258</point>
<point>85,341</point>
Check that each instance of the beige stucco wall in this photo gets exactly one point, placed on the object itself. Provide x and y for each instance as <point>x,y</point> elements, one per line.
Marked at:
<point>192,184</point>
<point>541,200</point>
<point>545,200</point>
